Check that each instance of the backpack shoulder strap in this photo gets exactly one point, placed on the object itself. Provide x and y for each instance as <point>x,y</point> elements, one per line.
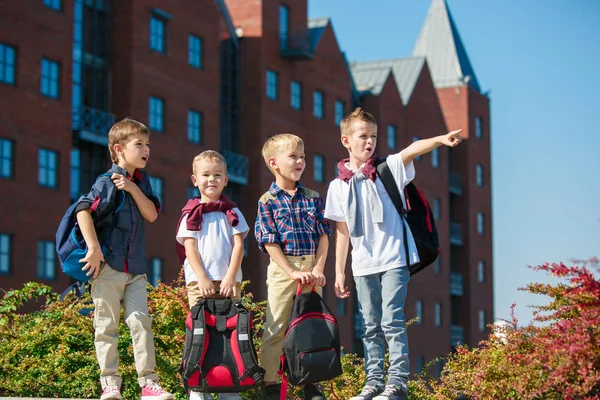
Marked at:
<point>245,345</point>
<point>197,349</point>
<point>391,187</point>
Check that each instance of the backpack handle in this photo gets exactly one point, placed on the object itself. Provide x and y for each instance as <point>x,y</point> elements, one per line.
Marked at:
<point>299,290</point>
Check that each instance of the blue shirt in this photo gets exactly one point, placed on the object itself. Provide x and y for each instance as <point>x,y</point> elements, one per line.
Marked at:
<point>124,241</point>
<point>294,222</point>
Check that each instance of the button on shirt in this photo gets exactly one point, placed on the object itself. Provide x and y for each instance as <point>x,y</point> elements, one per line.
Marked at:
<point>294,222</point>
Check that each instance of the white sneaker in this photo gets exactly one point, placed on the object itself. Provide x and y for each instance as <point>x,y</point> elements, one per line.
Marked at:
<point>392,392</point>
<point>200,396</point>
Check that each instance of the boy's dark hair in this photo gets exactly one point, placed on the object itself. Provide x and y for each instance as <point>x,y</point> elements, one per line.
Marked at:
<point>121,131</point>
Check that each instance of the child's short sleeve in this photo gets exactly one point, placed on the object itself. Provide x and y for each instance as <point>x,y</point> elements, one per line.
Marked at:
<point>183,232</point>
<point>265,230</point>
<point>100,197</point>
<point>402,174</point>
<point>334,209</point>
<point>242,226</point>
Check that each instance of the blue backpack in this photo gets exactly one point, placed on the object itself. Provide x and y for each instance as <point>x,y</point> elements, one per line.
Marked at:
<point>70,245</point>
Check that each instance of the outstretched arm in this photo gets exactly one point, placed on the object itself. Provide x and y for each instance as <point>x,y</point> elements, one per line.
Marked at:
<point>424,146</point>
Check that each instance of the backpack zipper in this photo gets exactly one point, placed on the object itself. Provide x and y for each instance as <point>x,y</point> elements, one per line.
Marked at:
<point>327,317</point>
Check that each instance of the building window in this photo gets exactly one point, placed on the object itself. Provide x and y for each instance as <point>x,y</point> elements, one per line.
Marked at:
<point>340,110</point>
<point>437,310</point>
<point>195,51</point>
<point>437,208</point>
<point>156,120</point>
<point>6,158</point>
<point>75,174</point>
<point>156,266</point>
<point>478,128</point>
<point>319,162</point>
<point>419,311</point>
<point>158,27</point>
<point>481,271</point>
<point>318,105</point>
<point>296,95</point>
<point>50,80</point>
<point>414,139</point>
<point>193,192</point>
<point>437,265</point>
<point>8,61</point>
<point>341,307</point>
<point>194,126</point>
<point>480,223</point>
<point>435,157</point>
<point>5,253</point>
<point>482,321</point>
<point>46,265</point>
<point>272,84</point>
<point>157,188</point>
<point>479,174</point>
<point>391,137</point>
<point>48,168</point>
<point>284,26</point>
<point>54,4</point>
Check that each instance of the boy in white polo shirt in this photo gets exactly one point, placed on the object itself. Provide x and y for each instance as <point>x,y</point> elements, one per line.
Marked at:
<point>358,202</point>
<point>210,239</point>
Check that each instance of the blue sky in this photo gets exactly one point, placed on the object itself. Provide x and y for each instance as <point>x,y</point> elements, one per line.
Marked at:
<point>541,61</point>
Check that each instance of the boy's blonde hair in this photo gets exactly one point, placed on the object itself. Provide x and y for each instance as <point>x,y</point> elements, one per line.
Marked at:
<point>357,115</point>
<point>120,133</point>
<point>211,156</point>
<point>278,144</point>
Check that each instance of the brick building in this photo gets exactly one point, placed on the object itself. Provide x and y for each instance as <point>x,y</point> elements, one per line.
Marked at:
<point>226,75</point>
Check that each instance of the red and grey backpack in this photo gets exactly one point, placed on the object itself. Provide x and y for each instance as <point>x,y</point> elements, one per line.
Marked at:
<point>417,214</point>
<point>311,348</point>
<point>219,356</point>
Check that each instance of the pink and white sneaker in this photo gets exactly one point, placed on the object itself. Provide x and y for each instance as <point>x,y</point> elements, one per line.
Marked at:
<point>111,393</point>
<point>153,391</point>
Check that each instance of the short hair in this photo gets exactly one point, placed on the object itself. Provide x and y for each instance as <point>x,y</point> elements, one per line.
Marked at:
<point>357,115</point>
<point>209,155</point>
<point>279,143</point>
<point>120,133</point>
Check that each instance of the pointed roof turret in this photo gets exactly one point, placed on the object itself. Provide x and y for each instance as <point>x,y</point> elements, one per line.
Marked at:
<point>440,43</point>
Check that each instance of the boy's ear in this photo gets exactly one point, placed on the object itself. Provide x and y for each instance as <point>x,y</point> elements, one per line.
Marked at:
<point>117,148</point>
<point>194,180</point>
<point>346,141</point>
<point>226,180</point>
<point>272,162</point>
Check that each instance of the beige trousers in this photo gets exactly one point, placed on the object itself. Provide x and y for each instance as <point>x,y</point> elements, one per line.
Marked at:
<point>280,296</point>
<point>112,290</point>
<point>194,293</point>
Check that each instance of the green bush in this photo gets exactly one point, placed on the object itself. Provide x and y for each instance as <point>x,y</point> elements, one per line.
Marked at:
<point>50,353</point>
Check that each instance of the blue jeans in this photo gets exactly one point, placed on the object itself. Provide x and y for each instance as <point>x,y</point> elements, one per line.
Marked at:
<point>381,300</point>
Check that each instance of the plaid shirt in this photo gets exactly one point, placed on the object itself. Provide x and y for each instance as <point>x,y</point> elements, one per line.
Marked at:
<point>295,223</point>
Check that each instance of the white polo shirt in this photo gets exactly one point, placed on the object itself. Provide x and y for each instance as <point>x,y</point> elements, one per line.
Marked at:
<point>215,244</point>
<point>381,248</point>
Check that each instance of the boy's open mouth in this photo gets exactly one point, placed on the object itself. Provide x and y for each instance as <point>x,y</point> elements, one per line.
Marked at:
<point>145,158</point>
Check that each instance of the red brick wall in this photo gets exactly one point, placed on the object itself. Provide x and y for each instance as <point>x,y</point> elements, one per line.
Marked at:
<point>28,211</point>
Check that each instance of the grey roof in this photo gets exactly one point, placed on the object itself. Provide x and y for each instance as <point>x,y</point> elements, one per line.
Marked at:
<point>371,75</point>
<point>316,27</point>
<point>440,43</point>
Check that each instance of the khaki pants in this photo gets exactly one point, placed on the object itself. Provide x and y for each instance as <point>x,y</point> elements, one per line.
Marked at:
<point>280,297</point>
<point>110,290</point>
<point>194,292</point>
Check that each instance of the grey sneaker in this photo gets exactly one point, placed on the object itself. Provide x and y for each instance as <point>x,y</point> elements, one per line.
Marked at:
<point>392,392</point>
<point>367,393</point>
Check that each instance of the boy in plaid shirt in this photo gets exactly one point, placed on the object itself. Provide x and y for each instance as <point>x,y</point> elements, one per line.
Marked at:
<point>291,228</point>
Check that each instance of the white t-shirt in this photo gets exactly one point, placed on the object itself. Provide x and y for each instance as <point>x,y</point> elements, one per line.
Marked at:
<point>381,248</point>
<point>214,244</point>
